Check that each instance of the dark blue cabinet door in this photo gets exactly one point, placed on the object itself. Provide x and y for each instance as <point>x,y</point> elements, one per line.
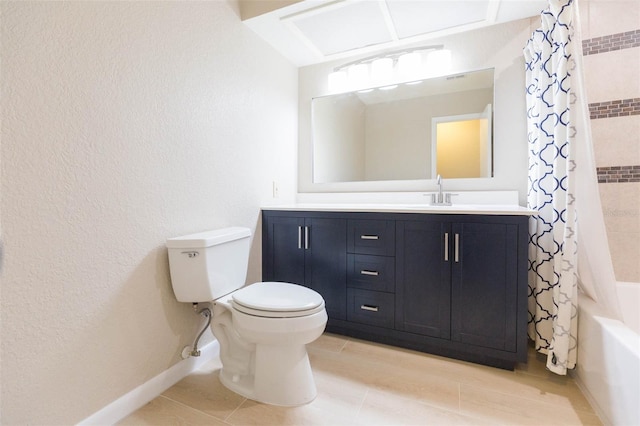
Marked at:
<point>423,271</point>
<point>310,251</point>
<point>485,285</point>
<point>326,262</point>
<point>283,249</point>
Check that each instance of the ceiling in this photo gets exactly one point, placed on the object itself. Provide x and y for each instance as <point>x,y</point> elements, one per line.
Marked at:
<point>315,31</point>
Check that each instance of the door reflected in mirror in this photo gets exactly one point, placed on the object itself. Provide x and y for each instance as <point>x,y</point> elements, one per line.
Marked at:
<point>463,145</point>
<point>394,134</point>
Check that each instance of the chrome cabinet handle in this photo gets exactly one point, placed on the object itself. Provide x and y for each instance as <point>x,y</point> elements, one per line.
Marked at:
<point>369,308</point>
<point>456,247</point>
<point>369,237</point>
<point>365,272</point>
<point>299,237</point>
<point>446,246</point>
<point>306,238</point>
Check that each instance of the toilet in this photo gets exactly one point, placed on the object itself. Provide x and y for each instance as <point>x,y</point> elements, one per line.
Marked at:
<point>262,328</point>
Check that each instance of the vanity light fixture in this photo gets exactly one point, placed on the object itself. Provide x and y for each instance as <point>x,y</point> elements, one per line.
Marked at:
<point>439,62</point>
<point>381,71</point>
<point>358,76</point>
<point>410,66</point>
<point>338,81</point>
<point>391,68</point>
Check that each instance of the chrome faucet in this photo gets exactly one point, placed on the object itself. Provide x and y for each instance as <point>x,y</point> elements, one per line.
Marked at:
<point>441,198</point>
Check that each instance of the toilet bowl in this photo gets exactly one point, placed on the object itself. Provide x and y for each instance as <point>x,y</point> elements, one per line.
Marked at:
<point>264,357</point>
<point>262,328</point>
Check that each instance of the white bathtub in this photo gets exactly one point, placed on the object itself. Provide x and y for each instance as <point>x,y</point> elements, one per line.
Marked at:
<point>608,367</point>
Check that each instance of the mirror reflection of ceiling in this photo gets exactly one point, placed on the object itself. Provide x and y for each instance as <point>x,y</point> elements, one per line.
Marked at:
<point>314,31</point>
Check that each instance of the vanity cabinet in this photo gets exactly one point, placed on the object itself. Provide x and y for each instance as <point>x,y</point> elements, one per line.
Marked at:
<point>448,284</point>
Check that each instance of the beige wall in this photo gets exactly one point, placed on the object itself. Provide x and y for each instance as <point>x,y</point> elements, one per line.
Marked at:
<point>613,75</point>
<point>342,152</point>
<point>123,123</point>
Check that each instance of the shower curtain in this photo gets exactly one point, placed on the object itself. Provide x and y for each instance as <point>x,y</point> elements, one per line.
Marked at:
<point>568,226</point>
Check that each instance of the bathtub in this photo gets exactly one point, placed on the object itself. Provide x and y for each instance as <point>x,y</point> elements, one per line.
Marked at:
<point>608,366</point>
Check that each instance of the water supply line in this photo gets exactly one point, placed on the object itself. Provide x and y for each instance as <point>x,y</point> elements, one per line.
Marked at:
<point>206,312</point>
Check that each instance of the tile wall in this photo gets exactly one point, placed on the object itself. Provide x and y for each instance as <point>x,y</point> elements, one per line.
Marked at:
<point>611,48</point>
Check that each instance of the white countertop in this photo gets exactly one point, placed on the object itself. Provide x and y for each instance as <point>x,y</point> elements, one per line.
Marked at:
<point>487,209</point>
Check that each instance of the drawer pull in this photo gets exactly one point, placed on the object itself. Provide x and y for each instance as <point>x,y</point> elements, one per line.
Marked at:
<point>369,237</point>
<point>373,273</point>
<point>369,308</point>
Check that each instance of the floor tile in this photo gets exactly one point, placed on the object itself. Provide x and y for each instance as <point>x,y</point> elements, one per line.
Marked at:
<point>385,408</point>
<point>253,413</point>
<point>162,411</point>
<point>204,392</point>
<point>505,408</point>
<point>387,369</point>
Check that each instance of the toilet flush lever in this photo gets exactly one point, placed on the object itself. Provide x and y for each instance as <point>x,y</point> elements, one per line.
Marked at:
<point>191,253</point>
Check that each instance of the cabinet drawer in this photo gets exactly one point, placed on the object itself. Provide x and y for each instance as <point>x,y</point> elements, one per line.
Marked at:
<point>371,237</point>
<point>370,307</point>
<point>369,272</point>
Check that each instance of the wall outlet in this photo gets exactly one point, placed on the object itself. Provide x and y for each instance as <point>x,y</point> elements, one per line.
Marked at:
<point>276,190</point>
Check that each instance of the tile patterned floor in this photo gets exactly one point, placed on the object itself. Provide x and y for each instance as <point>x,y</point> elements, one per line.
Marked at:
<point>362,383</point>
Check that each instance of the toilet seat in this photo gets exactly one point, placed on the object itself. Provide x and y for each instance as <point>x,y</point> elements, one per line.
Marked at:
<point>277,300</point>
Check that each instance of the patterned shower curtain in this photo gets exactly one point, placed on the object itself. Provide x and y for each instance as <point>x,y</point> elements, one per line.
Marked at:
<point>553,248</point>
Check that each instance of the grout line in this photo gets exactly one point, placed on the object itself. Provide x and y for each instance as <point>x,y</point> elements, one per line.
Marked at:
<point>234,410</point>
<point>191,407</point>
<point>366,394</point>
<point>344,345</point>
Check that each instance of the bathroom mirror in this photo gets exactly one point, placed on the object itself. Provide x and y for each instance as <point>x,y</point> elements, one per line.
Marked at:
<point>410,131</point>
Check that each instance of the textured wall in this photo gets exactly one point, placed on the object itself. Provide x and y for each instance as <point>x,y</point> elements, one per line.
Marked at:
<point>611,45</point>
<point>123,123</point>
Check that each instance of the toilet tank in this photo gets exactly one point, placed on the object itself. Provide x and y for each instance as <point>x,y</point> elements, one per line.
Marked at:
<point>210,264</point>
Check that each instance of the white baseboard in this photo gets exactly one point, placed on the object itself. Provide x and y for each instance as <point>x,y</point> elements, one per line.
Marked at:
<point>127,404</point>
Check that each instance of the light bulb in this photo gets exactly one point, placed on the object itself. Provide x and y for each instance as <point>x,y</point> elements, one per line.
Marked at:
<point>338,81</point>
<point>358,76</point>
<point>410,66</point>
<point>381,71</point>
